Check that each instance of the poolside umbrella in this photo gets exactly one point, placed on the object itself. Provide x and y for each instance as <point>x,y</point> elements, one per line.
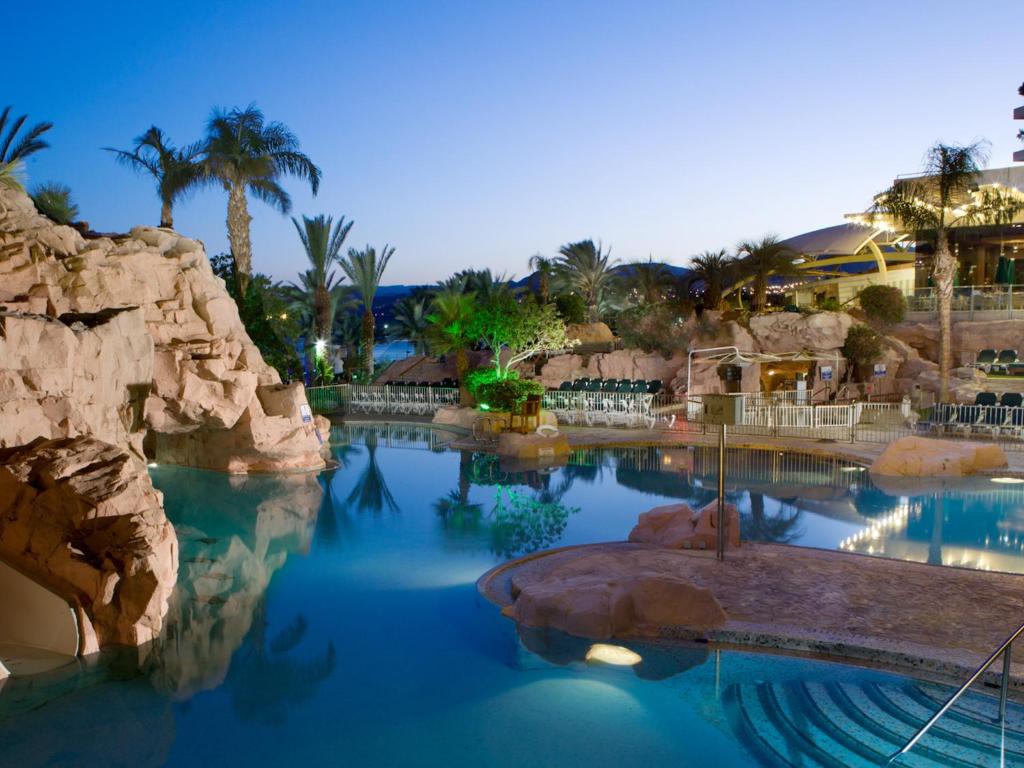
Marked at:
<point>1000,278</point>
<point>1011,271</point>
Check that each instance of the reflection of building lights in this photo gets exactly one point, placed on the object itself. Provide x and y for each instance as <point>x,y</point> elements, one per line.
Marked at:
<point>151,464</point>
<point>1008,480</point>
<point>852,469</point>
<point>866,538</point>
<point>613,654</point>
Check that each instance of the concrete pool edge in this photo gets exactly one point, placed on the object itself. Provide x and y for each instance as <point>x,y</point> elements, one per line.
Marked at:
<point>943,661</point>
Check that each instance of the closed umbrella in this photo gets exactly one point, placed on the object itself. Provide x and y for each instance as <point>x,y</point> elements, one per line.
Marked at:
<point>1001,272</point>
<point>1011,271</point>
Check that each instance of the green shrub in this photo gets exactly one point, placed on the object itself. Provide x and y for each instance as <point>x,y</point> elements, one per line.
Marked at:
<point>883,305</point>
<point>507,394</point>
<point>654,328</point>
<point>863,346</point>
<point>571,308</point>
<point>830,304</point>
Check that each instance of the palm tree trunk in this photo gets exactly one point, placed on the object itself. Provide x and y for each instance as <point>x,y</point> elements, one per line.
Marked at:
<point>544,287</point>
<point>592,315</point>
<point>461,368</point>
<point>238,236</point>
<point>166,219</point>
<point>943,274</point>
<point>369,327</point>
<point>322,311</point>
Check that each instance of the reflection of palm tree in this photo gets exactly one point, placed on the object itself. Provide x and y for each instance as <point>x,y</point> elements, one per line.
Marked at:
<point>778,528</point>
<point>458,514</point>
<point>265,680</point>
<point>371,490</point>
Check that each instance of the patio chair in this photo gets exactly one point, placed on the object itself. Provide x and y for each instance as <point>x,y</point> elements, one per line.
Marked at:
<point>610,385</point>
<point>654,386</point>
<point>639,386</point>
<point>580,385</point>
<point>985,359</point>
<point>967,417</point>
<point>565,386</point>
<point>1005,359</point>
<point>625,386</point>
<point>595,385</point>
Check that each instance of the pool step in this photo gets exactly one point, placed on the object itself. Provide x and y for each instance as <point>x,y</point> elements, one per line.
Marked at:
<point>846,724</point>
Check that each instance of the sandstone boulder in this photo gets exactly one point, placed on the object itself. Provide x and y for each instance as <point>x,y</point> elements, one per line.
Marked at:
<point>793,332</point>
<point>927,457</point>
<point>677,526</point>
<point>589,333</point>
<point>591,598</point>
<point>533,446</point>
<point>78,515</point>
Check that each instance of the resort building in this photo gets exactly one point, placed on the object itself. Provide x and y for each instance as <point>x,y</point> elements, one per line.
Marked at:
<point>875,250</point>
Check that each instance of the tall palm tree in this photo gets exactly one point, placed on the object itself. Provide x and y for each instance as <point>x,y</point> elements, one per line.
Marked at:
<point>365,269</point>
<point>449,328</point>
<point>409,320</point>
<point>759,260</point>
<point>487,286</point>
<point>176,171</point>
<point>586,268</point>
<point>648,281</point>
<point>322,240</point>
<point>715,270</point>
<point>29,143</point>
<point>545,269</point>
<point>246,154</point>
<point>935,202</point>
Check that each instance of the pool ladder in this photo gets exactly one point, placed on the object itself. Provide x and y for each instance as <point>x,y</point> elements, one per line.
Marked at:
<point>1005,650</point>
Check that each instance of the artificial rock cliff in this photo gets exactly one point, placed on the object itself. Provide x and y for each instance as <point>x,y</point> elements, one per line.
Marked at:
<point>105,342</point>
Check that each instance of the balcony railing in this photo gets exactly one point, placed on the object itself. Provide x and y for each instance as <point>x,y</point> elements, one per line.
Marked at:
<point>981,300</point>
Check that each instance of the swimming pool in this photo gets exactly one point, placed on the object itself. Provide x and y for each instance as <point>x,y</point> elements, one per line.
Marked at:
<point>335,620</point>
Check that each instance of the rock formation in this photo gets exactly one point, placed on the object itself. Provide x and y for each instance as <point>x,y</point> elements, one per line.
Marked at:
<point>598,596</point>
<point>105,342</point>
<point>927,457</point>
<point>677,526</point>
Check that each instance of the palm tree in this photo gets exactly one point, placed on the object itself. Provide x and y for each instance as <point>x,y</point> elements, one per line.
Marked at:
<point>322,240</point>
<point>28,144</point>
<point>648,281</point>
<point>449,328</point>
<point>365,269</point>
<point>715,270</point>
<point>54,201</point>
<point>545,269</point>
<point>176,171</point>
<point>935,202</point>
<point>586,268</point>
<point>762,259</point>
<point>487,286</point>
<point>409,320</point>
<point>246,154</point>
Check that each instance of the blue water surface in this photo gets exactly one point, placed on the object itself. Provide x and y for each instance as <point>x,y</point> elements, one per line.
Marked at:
<point>334,619</point>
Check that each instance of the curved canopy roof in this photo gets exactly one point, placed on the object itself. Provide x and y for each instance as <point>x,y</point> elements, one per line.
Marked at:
<point>840,240</point>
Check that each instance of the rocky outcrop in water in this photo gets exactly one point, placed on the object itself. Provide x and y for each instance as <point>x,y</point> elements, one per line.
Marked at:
<point>105,341</point>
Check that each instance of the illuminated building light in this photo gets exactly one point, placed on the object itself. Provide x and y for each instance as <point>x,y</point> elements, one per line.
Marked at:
<point>1008,480</point>
<point>152,464</point>
<point>613,654</point>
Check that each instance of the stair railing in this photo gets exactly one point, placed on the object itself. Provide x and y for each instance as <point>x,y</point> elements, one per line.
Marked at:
<point>1005,650</point>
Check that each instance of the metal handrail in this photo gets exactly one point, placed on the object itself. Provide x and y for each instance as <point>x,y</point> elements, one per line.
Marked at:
<point>1005,649</point>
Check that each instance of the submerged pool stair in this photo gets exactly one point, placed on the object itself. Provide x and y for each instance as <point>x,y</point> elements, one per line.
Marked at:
<point>847,724</point>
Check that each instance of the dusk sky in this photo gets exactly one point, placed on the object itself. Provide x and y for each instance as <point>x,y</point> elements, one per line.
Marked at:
<point>479,133</point>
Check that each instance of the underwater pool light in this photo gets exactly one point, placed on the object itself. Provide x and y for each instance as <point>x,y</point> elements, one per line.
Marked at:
<point>613,654</point>
<point>1008,480</point>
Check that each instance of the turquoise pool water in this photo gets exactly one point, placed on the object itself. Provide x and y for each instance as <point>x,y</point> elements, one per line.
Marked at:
<point>334,620</point>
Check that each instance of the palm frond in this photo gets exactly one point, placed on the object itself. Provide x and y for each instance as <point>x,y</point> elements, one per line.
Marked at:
<point>14,148</point>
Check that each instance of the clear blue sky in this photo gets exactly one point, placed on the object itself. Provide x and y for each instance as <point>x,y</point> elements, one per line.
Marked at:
<point>479,133</point>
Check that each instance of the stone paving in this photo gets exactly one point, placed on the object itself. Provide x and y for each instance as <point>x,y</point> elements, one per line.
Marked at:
<point>940,620</point>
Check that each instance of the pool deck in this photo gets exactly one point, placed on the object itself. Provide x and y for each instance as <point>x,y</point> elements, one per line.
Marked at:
<point>941,622</point>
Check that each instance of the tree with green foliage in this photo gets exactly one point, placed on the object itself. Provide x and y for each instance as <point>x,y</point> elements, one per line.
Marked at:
<point>715,271</point>
<point>545,269</point>
<point>12,175</point>
<point>759,261</point>
<point>266,314</point>
<point>409,320</point>
<point>883,305</point>
<point>485,285</point>
<point>647,282</point>
<point>176,171</point>
<point>248,155</point>
<point>571,308</point>
<point>505,393</point>
<point>53,200</point>
<point>587,269</point>
<point>449,328</point>
<point>862,348</point>
<point>322,240</point>
<point>365,269</point>
<point>935,202</point>
<point>520,329</point>
<point>14,148</point>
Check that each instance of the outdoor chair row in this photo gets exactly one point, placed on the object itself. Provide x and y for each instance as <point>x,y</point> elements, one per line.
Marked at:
<point>635,386</point>
<point>989,415</point>
<point>1004,361</point>
<point>613,409</point>
<point>419,401</point>
<point>442,383</point>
